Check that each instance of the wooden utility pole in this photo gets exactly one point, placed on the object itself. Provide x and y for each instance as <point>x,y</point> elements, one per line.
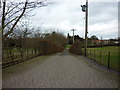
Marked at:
<point>73,34</point>
<point>0,3</point>
<point>3,15</point>
<point>3,23</point>
<point>86,26</point>
<point>85,9</point>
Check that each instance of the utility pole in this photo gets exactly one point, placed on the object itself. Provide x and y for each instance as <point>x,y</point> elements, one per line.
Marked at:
<point>0,3</point>
<point>3,15</point>
<point>86,27</point>
<point>85,9</point>
<point>73,34</point>
<point>2,25</point>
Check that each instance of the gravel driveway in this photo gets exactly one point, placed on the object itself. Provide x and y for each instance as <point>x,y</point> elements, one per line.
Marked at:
<point>57,71</point>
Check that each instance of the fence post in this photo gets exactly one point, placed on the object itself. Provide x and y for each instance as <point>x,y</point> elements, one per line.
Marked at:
<point>86,53</point>
<point>27,54</point>
<point>82,52</point>
<point>100,57</point>
<point>19,56</point>
<point>11,56</point>
<point>32,53</point>
<point>37,52</point>
<point>90,54</point>
<point>109,60</point>
<point>94,54</point>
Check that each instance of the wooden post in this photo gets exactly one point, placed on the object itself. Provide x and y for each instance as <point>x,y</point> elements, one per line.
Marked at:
<point>86,53</point>
<point>109,60</point>
<point>27,54</point>
<point>35,52</point>
<point>94,54</point>
<point>90,54</point>
<point>100,57</point>
<point>13,53</point>
<point>19,56</point>
<point>32,53</point>
<point>11,56</point>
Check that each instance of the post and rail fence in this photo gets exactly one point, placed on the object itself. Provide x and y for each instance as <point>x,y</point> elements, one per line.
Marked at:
<point>15,56</point>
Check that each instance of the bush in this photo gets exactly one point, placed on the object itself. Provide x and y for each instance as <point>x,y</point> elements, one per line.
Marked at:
<point>46,47</point>
<point>76,48</point>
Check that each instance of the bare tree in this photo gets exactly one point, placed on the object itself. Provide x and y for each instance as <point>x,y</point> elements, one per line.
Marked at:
<point>14,11</point>
<point>19,37</point>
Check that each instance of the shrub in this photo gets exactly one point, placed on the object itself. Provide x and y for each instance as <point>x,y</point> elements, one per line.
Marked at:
<point>46,47</point>
<point>76,48</point>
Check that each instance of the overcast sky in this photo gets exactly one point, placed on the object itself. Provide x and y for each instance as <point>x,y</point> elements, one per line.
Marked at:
<point>64,15</point>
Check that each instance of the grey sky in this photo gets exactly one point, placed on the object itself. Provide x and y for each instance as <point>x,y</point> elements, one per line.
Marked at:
<point>103,18</point>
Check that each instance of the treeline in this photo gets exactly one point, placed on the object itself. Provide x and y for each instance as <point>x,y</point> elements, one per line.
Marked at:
<point>23,44</point>
<point>49,43</point>
<point>94,41</point>
<point>26,42</point>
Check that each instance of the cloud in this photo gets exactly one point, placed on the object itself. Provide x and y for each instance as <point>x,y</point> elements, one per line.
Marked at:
<point>72,1</point>
<point>103,12</point>
<point>103,17</point>
<point>107,30</point>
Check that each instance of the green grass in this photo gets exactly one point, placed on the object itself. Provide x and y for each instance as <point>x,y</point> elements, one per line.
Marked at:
<point>67,46</point>
<point>114,62</point>
<point>16,54</point>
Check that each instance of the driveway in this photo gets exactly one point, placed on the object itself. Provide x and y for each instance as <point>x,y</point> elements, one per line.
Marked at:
<point>61,70</point>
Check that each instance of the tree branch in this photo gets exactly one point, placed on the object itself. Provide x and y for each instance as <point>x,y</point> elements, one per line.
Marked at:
<point>11,30</point>
<point>10,21</point>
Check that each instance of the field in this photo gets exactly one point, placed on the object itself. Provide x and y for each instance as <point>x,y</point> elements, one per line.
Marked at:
<point>67,46</point>
<point>107,56</point>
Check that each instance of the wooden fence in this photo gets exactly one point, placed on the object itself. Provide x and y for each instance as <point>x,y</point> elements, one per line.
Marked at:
<point>15,56</point>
